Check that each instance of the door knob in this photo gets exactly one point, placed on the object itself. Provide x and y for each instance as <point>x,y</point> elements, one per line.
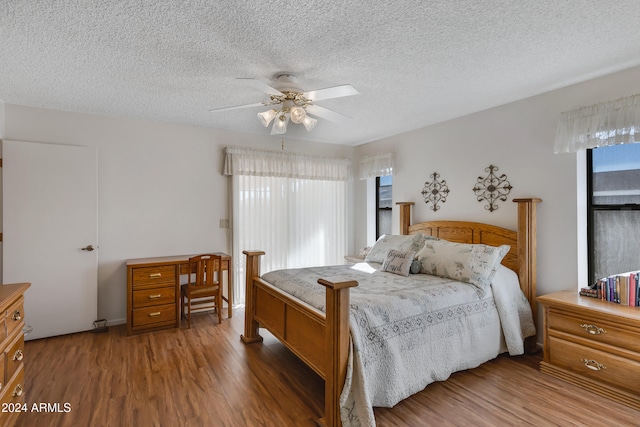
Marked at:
<point>88,248</point>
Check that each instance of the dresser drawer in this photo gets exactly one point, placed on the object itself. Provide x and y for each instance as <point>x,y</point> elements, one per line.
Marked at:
<point>152,276</point>
<point>154,316</point>
<point>598,365</point>
<point>596,330</point>
<point>154,296</point>
<point>3,329</point>
<point>15,316</point>
<point>14,355</point>
<point>13,392</point>
<point>3,377</point>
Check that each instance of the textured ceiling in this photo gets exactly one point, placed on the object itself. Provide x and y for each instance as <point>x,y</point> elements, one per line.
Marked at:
<point>415,63</point>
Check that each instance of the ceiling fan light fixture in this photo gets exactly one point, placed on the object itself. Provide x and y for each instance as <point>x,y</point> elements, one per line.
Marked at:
<point>298,114</point>
<point>280,124</point>
<point>309,123</point>
<point>287,102</point>
<point>266,117</point>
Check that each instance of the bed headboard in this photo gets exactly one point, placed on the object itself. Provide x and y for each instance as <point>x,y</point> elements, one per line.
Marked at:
<point>522,256</point>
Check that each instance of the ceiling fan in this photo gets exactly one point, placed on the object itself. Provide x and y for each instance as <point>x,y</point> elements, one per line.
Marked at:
<point>290,103</point>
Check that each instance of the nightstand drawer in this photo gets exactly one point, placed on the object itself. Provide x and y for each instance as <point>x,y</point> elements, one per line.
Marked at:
<point>595,330</point>
<point>623,373</point>
<point>151,276</point>
<point>154,296</point>
<point>150,316</point>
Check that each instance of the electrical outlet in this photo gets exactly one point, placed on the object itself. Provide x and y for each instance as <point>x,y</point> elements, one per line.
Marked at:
<point>224,223</point>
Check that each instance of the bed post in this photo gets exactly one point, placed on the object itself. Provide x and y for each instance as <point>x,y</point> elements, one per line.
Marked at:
<point>527,257</point>
<point>405,216</point>
<point>252,270</point>
<point>337,344</point>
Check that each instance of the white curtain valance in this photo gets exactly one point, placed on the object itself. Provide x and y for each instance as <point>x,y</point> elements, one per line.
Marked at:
<point>598,125</point>
<point>250,162</point>
<point>376,165</point>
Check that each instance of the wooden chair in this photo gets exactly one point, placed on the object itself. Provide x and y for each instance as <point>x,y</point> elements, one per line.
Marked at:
<point>206,289</point>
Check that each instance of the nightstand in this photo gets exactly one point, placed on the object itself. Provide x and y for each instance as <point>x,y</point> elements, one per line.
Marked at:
<point>594,344</point>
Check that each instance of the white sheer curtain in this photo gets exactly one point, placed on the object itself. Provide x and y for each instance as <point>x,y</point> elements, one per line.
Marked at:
<point>291,206</point>
<point>376,165</point>
<point>599,125</point>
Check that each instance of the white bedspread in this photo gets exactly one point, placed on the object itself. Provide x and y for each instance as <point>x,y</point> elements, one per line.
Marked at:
<point>407,332</point>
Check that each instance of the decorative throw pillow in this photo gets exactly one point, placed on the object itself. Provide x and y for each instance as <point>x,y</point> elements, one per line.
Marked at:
<point>471,263</point>
<point>398,262</point>
<point>365,251</point>
<point>400,243</point>
<point>415,267</point>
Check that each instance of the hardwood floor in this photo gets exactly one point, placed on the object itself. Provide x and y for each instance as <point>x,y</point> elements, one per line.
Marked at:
<point>205,377</point>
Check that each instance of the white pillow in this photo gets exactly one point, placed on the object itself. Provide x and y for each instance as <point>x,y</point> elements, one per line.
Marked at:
<point>400,243</point>
<point>465,262</point>
<point>398,262</point>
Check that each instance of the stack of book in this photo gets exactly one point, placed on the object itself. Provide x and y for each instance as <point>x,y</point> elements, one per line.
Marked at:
<point>623,288</point>
<point>589,292</point>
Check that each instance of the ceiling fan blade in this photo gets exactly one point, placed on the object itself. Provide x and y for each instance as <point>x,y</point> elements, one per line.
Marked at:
<point>261,86</point>
<point>237,107</point>
<point>331,92</point>
<point>325,113</point>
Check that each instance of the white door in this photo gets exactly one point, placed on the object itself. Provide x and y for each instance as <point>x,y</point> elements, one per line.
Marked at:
<point>50,214</point>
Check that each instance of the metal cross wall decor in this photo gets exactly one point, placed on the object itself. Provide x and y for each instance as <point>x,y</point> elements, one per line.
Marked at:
<point>435,191</point>
<point>492,188</point>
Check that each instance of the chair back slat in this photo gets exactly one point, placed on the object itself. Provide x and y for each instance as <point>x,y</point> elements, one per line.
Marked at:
<point>207,269</point>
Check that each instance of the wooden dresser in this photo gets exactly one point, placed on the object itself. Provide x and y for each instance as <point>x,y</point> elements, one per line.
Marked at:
<point>593,344</point>
<point>12,355</point>
<point>153,291</point>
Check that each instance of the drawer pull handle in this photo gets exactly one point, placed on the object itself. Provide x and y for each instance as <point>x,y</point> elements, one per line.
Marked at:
<point>593,365</point>
<point>156,314</point>
<point>19,355</point>
<point>17,391</point>
<point>17,315</point>
<point>593,329</point>
<point>156,296</point>
<point>155,275</point>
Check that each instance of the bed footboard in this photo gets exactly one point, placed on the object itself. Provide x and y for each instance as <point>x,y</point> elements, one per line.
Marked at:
<point>319,339</point>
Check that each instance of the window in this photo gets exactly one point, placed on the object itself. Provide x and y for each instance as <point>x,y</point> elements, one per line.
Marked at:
<point>613,210</point>
<point>291,206</point>
<point>383,205</point>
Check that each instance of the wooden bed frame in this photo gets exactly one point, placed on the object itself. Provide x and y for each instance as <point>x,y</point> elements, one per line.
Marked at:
<point>321,340</point>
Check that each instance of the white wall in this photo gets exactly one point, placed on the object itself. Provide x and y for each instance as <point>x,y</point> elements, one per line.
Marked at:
<point>518,138</point>
<point>160,186</point>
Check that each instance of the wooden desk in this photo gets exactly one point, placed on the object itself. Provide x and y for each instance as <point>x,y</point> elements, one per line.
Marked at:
<point>153,291</point>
